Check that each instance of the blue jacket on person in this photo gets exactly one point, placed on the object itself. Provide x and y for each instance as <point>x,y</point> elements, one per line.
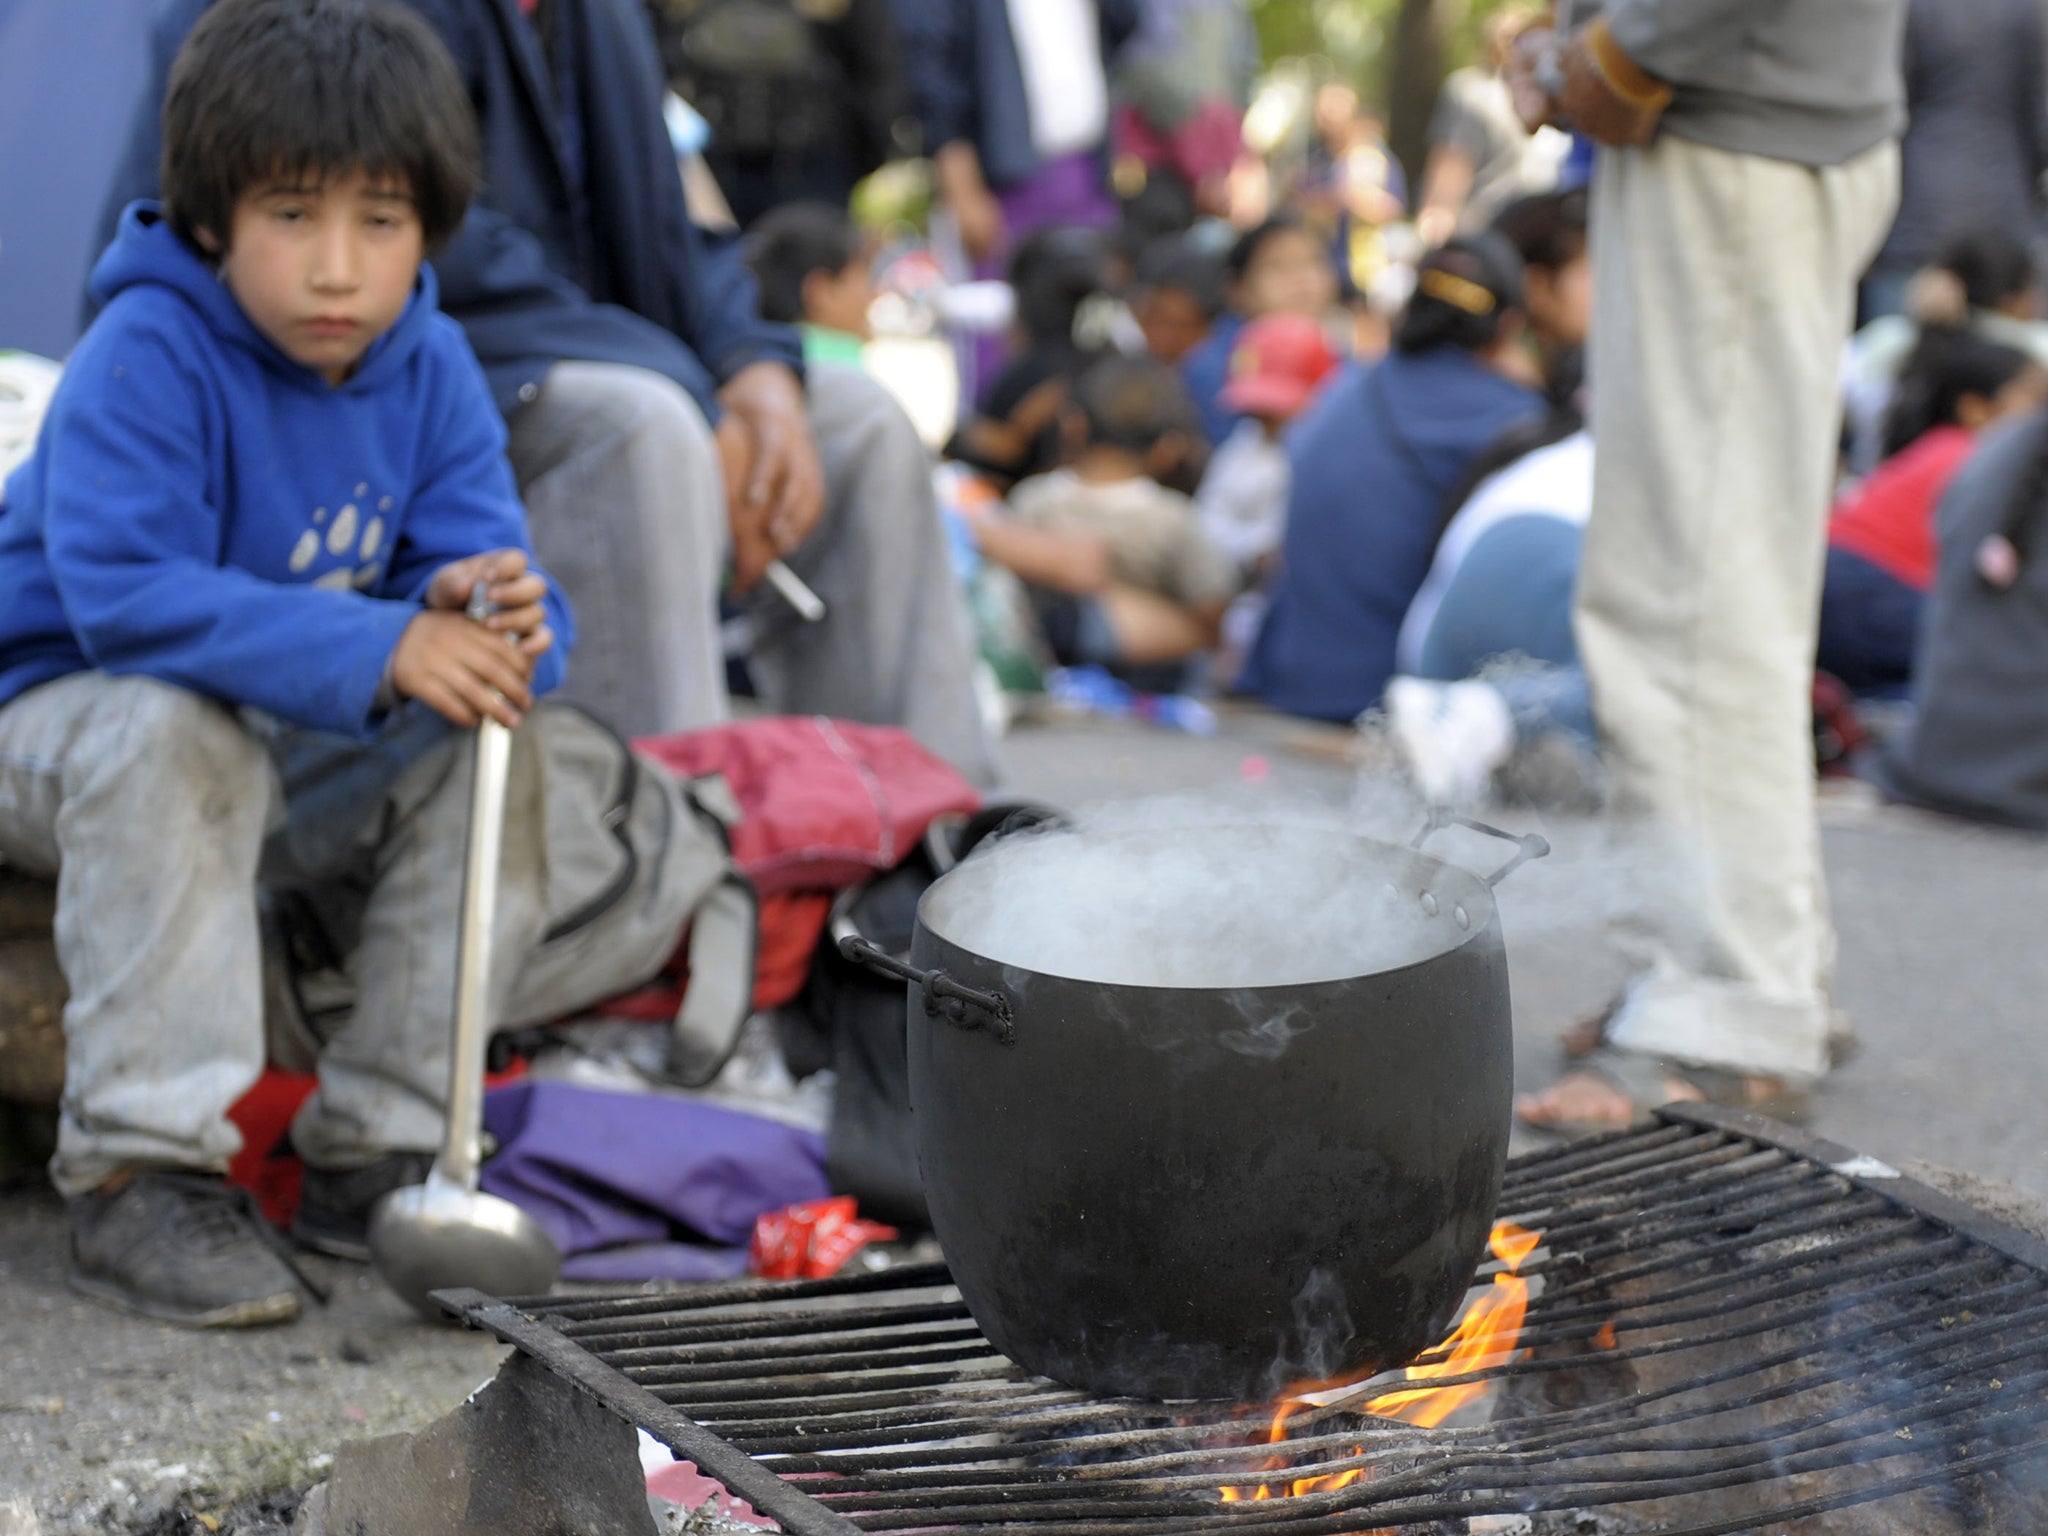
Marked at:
<point>204,510</point>
<point>967,83</point>
<point>1206,372</point>
<point>579,247</point>
<point>1374,461</point>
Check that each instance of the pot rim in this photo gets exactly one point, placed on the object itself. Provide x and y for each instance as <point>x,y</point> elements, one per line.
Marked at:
<point>1477,900</point>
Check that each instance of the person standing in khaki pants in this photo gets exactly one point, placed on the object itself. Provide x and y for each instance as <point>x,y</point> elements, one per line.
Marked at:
<point>1748,173</point>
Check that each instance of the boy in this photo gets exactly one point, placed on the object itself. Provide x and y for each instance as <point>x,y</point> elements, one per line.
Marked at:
<point>1278,365</point>
<point>1122,573</point>
<point>269,483</point>
<point>1176,295</point>
<point>812,267</point>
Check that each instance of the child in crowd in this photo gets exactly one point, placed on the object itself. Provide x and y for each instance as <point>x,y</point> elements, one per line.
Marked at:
<point>1016,433</point>
<point>1120,572</point>
<point>1176,294</point>
<point>815,271</point>
<point>1279,268</point>
<point>1280,363</point>
<point>269,485</point>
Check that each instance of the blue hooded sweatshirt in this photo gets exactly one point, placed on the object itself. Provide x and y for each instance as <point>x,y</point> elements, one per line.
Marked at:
<point>1374,461</point>
<point>203,510</point>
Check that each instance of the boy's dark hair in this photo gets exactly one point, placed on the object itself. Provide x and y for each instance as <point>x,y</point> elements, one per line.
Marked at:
<point>1053,272</point>
<point>314,88</point>
<point>1547,229</point>
<point>1463,290</point>
<point>787,244</point>
<point>1175,262</point>
<point>1133,402</point>
<point>1246,249</point>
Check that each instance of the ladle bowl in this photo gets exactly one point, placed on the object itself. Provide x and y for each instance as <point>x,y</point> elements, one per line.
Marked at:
<point>437,1235</point>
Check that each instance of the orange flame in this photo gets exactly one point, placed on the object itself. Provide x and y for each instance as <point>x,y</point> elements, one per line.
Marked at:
<point>1485,1337</point>
<point>1606,1338</point>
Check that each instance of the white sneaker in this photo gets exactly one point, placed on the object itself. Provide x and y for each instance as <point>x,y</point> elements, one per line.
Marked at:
<point>1452,736</point>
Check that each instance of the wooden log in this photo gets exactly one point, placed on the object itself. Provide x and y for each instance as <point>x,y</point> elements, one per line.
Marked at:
<point>32,992</point>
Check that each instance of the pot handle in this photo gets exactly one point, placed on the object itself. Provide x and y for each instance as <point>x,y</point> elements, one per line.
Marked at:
<point>944,998</point>
<point>1531,845</point>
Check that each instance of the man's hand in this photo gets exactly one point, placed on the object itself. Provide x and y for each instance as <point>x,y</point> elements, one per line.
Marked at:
<point>1605,94</point>
<point>774,487</point>
<point>461,670</point>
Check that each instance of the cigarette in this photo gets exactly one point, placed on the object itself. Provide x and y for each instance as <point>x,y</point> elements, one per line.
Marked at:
<point>809,606</point>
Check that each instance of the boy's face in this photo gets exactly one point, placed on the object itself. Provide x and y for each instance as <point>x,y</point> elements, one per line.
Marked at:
<point>323,268</point>
<point>1172,320</point>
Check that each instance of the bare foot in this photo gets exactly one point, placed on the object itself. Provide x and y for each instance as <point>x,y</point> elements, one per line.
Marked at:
<point>1588,1101</point>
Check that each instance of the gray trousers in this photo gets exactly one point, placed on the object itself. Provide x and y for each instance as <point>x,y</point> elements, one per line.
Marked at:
<point>627,505</point>
<point>158,812</point>
<point>1724,286</point>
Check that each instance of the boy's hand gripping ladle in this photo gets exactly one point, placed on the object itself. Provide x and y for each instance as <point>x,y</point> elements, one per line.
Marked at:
<point>445,1232</point>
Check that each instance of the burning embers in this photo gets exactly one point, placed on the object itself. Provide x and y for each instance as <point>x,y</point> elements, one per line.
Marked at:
<point>1487,1335</point>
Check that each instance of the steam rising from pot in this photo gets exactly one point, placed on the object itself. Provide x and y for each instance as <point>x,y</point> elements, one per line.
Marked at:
<point>1248,889</point>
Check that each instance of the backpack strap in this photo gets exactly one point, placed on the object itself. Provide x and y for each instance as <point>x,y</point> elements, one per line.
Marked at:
<point>721,951</point>
<point>723,947</point>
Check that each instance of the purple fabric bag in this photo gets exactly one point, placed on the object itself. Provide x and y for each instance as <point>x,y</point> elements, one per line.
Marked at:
<point>624,1181</point>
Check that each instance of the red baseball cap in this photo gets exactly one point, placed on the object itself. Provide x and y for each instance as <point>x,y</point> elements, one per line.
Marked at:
<point>1277,364</point>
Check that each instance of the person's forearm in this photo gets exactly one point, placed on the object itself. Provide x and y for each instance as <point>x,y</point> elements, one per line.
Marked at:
<point>1067,562</point>
<point>1446,183</point>
<point>957,169</point>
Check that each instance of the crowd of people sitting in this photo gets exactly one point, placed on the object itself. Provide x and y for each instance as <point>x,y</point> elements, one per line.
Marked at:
<point>1207,468</point>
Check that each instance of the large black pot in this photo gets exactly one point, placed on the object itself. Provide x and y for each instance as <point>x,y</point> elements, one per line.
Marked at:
<point>1170,1192</point>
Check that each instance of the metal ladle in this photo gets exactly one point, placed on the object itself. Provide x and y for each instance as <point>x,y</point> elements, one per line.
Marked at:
<point>445,1232</point>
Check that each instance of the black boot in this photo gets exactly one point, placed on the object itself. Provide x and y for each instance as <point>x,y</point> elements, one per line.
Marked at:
<point>335,1203</point>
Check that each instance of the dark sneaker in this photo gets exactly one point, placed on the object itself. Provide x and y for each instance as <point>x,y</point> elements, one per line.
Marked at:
<point>183,1247</point>
<point>335,1203</point>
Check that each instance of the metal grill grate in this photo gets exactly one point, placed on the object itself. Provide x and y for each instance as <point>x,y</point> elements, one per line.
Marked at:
<point>1717,1305</point>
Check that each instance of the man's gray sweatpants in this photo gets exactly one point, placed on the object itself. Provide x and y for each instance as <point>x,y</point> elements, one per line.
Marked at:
<point>627,505</point>
<point>158,812</point>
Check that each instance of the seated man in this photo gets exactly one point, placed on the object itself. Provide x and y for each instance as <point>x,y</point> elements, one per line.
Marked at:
<point>234,642</point>
<point>666,439</point>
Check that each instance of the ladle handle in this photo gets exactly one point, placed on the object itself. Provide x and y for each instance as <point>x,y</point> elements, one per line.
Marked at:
<point>1531,846</point>
<point>462,1144</point>
<point>944,998</point>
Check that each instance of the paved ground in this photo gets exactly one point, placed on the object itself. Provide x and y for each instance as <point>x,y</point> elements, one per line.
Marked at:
<point>105,1421</point>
